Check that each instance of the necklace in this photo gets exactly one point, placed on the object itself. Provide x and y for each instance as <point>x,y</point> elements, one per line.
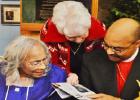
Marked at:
<point>122,77</point>
<point>74,52</point>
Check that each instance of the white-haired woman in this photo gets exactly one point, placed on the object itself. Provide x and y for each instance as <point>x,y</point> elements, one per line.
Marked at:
<point>69,34</point>
<point>27,73</point>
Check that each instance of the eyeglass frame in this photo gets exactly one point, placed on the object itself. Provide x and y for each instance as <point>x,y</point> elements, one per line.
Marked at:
<point>37,63</point>
<point>106,46</point>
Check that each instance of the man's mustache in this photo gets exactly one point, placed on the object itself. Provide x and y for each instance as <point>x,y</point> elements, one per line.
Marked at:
<point>115,56</point>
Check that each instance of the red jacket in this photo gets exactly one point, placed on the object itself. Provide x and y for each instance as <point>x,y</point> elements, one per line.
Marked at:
<point>59,46</point>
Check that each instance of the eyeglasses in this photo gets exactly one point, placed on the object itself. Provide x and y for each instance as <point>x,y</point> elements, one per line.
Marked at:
<point>35,63</point>
<point>117,50</point>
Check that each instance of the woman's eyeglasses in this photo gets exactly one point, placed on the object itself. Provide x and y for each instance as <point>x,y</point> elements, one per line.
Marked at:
<point>45,61</point>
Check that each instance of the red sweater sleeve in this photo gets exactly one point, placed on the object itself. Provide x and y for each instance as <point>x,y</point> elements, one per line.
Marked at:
<point>49,33</point>
<point>97,30</point>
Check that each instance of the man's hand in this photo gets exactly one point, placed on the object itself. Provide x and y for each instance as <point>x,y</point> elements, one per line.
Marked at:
<point>138,98</point>
<point>72,79</point>
<point>102,96</point>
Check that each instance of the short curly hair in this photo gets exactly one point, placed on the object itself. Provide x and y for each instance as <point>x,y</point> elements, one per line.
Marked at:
<point>71,18</point>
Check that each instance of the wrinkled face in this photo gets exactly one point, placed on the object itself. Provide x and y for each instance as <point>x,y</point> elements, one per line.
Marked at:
<point>35,64</point>
<point>119,51</point>
<point>77,39</point>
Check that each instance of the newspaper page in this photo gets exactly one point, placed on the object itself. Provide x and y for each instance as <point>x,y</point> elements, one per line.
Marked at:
<point>66,90</point>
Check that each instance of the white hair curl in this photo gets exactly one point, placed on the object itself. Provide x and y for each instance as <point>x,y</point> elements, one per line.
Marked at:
<point>71,18</point>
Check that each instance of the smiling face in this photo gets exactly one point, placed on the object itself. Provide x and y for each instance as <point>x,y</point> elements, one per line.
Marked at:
<point>120,41</point>
<point>35,63</point>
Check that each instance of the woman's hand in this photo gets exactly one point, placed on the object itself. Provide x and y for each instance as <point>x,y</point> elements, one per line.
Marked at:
<point>72,79</point>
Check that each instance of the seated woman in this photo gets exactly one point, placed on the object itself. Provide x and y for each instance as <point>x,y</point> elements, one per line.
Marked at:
<point>27,73</point>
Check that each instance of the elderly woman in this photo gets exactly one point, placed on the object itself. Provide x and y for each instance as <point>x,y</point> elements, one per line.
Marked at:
<point>69,34</point>
<point>27,73</point>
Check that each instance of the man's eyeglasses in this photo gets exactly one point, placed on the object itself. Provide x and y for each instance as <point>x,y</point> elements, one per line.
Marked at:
<point>117,50</point>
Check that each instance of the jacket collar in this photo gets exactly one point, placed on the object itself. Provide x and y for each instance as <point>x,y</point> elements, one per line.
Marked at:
<point>131,85</point>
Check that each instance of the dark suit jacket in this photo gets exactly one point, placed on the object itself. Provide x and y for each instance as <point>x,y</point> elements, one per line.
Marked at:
<point>99,74</point>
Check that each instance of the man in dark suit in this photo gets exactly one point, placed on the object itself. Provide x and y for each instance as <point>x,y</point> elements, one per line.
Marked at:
<point>112,72</point>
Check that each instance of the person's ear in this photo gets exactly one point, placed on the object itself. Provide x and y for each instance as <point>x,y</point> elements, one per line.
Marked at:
<point>138,43</point>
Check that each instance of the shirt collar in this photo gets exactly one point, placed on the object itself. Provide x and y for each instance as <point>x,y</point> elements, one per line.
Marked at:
<point>133,56</point>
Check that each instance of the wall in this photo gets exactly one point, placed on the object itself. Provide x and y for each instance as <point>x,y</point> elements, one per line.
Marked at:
<point>104,8</point>
<point>7,32</point>
<point>29,10</point>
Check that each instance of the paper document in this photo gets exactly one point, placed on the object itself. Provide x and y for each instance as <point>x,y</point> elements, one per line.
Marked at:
<point>66,90</point>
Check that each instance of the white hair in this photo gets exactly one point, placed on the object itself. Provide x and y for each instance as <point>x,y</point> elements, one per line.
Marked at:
<point>16,53</point>
<point>71,18</point>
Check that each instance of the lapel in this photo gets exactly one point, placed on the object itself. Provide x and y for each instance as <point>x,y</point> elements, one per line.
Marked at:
<point>131,87</point>
<point>109,66</point>
<point>114,88</point>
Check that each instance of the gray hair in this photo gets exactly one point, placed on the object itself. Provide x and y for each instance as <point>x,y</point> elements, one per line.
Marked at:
<point>71,18</point>
<point>16,53</point>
